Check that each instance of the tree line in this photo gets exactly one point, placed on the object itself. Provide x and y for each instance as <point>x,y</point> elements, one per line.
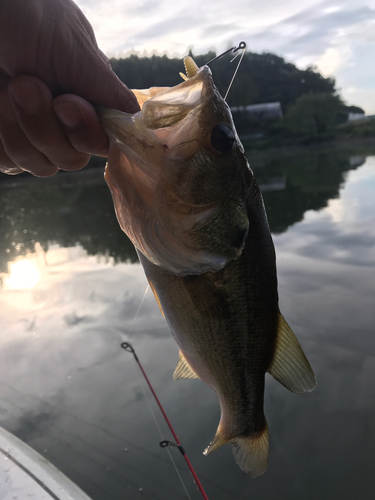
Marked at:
<point>311,104</point>
<point>261,78</point>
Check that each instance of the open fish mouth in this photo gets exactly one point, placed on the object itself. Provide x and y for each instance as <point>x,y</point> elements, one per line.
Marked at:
<point>176,174</point>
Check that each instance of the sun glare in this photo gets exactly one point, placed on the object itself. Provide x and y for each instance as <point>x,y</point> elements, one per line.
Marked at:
<point>24,274</point>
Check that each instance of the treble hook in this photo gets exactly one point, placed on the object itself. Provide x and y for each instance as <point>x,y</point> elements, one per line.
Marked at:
<point>242,45</point>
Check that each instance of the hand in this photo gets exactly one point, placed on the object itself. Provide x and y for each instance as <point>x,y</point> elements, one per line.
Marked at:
<point>51,70</point>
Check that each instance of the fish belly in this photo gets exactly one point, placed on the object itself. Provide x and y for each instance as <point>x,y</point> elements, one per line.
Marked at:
<point>225,324</point>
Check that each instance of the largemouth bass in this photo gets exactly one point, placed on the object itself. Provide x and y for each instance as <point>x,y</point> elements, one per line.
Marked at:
<point>184,193</point>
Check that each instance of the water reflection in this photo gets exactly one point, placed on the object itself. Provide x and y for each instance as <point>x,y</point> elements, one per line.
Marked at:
<point>69,390</point>
<point>71,209</point>
<point>23,274</point>
<point>293,185</point>
<point>66,210</point>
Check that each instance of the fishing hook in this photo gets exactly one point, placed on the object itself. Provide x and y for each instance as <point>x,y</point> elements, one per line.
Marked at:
<point>242,45</point>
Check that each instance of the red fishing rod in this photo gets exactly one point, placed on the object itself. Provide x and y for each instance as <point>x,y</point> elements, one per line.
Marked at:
<point>128,347</point>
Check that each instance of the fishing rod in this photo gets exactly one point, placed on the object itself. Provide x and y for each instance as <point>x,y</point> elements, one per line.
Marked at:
<point>129,348</point>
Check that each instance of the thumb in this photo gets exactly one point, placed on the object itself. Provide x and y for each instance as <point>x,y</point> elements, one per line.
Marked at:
<point>81,68</point>
<point>114,92</point>
<point>100,85</point>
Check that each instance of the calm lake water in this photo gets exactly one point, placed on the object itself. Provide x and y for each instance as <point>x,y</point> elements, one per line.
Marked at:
<point>70,290</point>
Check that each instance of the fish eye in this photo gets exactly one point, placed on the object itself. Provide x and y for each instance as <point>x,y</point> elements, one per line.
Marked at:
<point>222,138</point>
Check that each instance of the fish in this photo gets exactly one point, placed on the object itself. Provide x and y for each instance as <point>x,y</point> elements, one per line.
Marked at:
<point>158,184</point>
<point>184,193</point>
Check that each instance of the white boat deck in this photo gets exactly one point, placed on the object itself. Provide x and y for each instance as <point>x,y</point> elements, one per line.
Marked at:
<point>26,474</point>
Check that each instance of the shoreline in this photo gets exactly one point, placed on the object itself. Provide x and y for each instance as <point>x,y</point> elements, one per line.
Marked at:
<point>357,145</point>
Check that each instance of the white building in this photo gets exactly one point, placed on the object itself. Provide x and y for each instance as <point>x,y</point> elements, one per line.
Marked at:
<point>265,111</point>
<point>356,116</point>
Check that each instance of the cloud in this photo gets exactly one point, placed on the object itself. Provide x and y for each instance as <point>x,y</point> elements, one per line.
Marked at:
<point>332,59</point>
<point>337,37</point>
<point>169,26</point>
<point>343,233</point>
<point>365,98</point>
<point>312,31</point>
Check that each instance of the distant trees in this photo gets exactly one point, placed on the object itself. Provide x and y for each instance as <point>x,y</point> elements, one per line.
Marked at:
<point>310,102</point>
<point>278,80</point>
<point>261,78</point>
<point>313,114</point>
<point>354,109</point>
<point>144,72</point>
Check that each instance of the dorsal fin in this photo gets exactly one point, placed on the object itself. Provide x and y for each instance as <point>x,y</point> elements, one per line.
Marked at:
<point>183,369</point>
<point>290,366</point>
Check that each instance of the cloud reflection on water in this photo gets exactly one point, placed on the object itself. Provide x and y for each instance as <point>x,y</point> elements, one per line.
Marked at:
<point>326,273</point>
<point>67,387</point>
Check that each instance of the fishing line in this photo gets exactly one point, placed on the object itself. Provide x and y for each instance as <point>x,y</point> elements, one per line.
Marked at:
<point>235,73</point>
<point>147,399</point>
<point>129,348</point>
<point>241,46</point>
<point>139,308</point>
<point>160,432</point>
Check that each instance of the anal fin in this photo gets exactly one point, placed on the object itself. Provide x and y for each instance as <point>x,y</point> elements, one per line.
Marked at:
<point>290,366</point>
<point>155,295</point>
<point>183,369</point>
<point>250,452</point>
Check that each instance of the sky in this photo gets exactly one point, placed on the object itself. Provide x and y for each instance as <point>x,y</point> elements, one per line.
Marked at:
<point>338,36</point>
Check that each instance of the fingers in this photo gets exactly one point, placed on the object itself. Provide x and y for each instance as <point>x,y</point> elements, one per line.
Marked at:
<point>80,76</point>
<point>41,135</point>
<point>81,124</point>
<point>6,164</point>
<point>110,92</point>
<point>17,152</point>
<point>31,101</point>
<point>4,79</point>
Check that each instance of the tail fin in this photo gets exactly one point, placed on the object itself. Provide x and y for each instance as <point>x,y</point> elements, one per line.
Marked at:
<point>250,452</point>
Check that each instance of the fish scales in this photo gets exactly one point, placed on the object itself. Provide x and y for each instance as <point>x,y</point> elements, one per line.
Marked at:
<point>184,193</point>
<point>229,344</point>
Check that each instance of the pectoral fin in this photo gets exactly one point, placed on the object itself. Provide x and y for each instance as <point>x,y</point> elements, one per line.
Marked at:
<point>183,369</point>
<point>290,366</point>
